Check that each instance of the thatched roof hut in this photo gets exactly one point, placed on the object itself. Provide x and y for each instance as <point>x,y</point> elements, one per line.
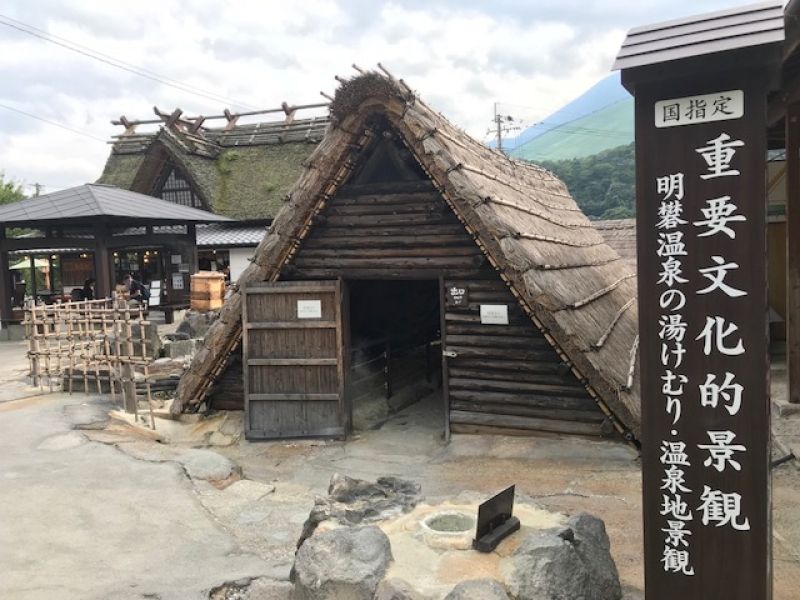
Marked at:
<point>575,289</point>
<point>241,171</point>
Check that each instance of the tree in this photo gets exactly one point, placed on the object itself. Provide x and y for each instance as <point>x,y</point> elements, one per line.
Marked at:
<point>9,190</point>
<point>603,184</point>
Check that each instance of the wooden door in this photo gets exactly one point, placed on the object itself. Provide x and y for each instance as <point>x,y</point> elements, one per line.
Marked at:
<point>293,355</point>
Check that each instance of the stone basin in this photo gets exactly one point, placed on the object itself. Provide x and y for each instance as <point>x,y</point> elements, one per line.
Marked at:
<point>448,530</point>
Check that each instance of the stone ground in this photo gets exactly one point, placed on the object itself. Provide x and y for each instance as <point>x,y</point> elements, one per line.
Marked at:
<point>92,510</point>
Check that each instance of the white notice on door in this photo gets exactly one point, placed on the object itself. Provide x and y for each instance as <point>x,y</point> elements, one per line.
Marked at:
<point>494,314</point>
<point>309,309</point>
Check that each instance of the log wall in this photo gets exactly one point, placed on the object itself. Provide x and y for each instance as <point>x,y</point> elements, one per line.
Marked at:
<point>508,377</point>
<point>369,232</point>
<point>505,378</point>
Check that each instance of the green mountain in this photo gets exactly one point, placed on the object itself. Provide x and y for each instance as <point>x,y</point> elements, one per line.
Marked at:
<point>603,129</point>
<point>602,184</point>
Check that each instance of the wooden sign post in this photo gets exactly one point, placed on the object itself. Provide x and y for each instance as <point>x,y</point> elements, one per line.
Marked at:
<point>701,242</point>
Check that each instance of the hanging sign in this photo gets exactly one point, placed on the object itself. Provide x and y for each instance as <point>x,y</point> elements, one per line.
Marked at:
<point>177,281</point>
<point>456,295</point>
<point>309,309</point>
<point>494,314</point>
<point>707,108</point>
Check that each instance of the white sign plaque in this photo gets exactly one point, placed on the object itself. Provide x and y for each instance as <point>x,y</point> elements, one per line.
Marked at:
<point>175,259</point>
<point>309,309</point>
<point>691,110</point>
<point>155,293</point>
<point>494,314</point>
<point>177,281</point>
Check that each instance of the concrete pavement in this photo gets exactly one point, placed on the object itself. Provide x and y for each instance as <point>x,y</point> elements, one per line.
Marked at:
<point>99,512</point>
<point>84,520</point>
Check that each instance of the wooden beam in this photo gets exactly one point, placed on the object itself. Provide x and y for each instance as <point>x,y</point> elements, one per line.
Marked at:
<point>793,250</point>
<point>155,239</point>
<point>33,244</point>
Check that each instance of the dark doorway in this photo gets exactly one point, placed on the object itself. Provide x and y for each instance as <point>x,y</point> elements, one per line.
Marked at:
<point>395,348</point>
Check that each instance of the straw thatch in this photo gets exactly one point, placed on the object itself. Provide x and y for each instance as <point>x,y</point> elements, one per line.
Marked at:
<point>620,234</point>
<point>241,173</point>
<point>574,287</point>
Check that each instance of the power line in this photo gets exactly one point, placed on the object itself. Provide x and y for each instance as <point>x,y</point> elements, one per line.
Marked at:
<point>575,129</point>
<point>54,123</point>
<point>117,63</point>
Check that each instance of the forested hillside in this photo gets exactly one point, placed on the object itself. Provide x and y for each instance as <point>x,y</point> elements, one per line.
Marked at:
<point>603,184</point>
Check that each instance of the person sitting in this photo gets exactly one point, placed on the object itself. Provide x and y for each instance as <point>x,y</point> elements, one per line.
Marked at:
<point>88,289</point>
<point>136,291</point>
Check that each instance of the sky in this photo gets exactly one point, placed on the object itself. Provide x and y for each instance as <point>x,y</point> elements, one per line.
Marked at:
<point>462,56</point>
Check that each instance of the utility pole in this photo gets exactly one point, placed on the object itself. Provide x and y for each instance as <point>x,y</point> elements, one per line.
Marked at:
<point>37,189</point>
<point>502,124</point>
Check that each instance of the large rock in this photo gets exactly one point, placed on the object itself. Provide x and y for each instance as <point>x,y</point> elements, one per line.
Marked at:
<point>478,589</point>
<point>397,589</point>
<point>571,563</point>
<point>594,547</point>
<point>195,324</point>
<point>356,502</point>
<point>341,564</point>
<point>152,341</point>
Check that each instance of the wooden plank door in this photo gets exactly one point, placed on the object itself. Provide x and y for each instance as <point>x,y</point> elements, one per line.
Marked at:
<point>293,357</point>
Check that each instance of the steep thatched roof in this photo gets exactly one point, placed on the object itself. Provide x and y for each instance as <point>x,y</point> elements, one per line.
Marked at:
<point>241,172</point>
<point>620,234</point>
<point>575,287</point>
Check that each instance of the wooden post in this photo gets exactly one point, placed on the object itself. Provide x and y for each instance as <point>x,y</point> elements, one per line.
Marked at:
<point>6,288</point>
<point>102,262</point>
<point>701,149</point>
<point>33,344</point>
<point>191,238</point>
<point>128,371</point>
<point>443,346</point>
<point>32,262</point>
<point>793,250</point>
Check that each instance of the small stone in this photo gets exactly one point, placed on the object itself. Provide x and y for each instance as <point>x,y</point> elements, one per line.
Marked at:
<point>397,589</point>
<point>341,564</point>
<point>268,589</point>
<point>205,464</point>
<point>478,589</point>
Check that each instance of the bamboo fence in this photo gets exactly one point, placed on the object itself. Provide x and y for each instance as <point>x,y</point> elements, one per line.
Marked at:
<point>90,342</point>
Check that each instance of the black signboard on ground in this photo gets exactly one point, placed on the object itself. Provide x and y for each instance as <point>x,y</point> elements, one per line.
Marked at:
<point>495,520</point>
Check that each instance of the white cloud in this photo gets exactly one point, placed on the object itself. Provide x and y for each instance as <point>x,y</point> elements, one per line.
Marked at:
<point>460,55</point>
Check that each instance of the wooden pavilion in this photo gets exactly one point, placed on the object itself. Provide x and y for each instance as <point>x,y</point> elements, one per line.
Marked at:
<point>537,314</point>
<point>236,164</point>
<point>100,232</point>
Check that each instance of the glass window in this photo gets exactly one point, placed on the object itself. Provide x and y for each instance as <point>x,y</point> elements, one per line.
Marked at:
<point>176,189</point>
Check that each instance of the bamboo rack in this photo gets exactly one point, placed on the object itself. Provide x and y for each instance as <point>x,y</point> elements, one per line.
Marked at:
<point>92,341</point>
